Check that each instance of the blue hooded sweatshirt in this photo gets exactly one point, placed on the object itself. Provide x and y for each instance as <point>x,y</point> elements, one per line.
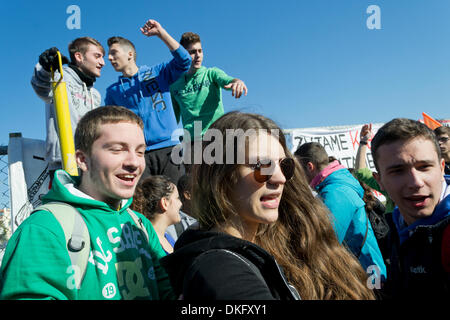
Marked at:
<point>441,211</point>
<point>343,195</point>
<point>147,94</point>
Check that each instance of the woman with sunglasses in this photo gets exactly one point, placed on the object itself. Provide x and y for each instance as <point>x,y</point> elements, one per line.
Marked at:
<point>262,234</point>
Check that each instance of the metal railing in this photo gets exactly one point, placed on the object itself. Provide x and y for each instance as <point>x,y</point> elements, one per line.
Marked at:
<point>4,180</point>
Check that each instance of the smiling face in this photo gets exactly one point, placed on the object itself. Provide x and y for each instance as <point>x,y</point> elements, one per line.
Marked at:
<point>91,62</point>
<point>115,163</point>
<point>412,174</point>
<point>256,202</point>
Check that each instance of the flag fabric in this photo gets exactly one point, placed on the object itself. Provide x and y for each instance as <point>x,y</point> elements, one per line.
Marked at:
<point>430,122</point>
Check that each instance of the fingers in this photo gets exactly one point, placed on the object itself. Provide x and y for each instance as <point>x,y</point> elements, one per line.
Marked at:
<point>150,28</point>
<point>239,88</point>
<point>244,88</point>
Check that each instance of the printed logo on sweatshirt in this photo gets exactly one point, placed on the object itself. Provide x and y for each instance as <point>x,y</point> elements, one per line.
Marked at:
<point>131,279</point>
<point>418,269</point>
<point>102,258</point>
<point>79,98</point>
<point>109,290</point>
<point>154,91</point>
<point>132,276</point>
<point>195,87</point>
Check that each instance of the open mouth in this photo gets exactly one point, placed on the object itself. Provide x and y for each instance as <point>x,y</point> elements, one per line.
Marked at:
<point>270,201</point>
<point>417,201</point>
<point>128,179</point>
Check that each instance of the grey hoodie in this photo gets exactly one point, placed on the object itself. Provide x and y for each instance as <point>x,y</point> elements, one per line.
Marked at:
<point>81,100</point>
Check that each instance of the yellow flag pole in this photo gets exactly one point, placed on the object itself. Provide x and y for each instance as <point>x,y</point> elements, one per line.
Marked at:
<point>61,103</point>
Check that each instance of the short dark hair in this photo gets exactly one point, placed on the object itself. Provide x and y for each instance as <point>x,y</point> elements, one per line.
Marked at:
<point>149,192</point>
<point>184,184</point>
<point>188,38</point>
<point>442,130</point>
<point>88,128</point>
<point>312,152</point>
<point>123,43</point>
<point>401,129</point>
<point>81,45</point>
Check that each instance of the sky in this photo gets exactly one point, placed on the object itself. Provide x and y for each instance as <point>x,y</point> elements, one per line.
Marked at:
<point>306,63</point>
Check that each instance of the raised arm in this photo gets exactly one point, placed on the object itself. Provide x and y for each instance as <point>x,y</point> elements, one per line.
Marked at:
<point>41,79</point>
<point>153,28</point>
<point>364,136</point>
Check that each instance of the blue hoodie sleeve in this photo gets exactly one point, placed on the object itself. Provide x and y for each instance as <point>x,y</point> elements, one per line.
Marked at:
<point>177,66</point>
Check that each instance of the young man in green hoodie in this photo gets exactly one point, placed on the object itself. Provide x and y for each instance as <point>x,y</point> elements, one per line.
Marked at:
<point>122,264</point>
<point>197,94</point>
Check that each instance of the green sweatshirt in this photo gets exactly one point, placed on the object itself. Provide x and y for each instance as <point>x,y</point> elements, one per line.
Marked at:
<point>36,264</point>
<point>198,97</point>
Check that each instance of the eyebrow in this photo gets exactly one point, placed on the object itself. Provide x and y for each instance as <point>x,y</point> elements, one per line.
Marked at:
<point>109,144</point>
<point>402,165</point>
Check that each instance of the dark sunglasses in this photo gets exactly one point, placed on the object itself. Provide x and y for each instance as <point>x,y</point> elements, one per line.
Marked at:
<point>287,166</point>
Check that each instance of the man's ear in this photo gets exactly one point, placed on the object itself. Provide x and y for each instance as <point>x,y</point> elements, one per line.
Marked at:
<point>310,166</point>
<point>130,55</point>
<point>377,177</point>
<point>81,159</point>
<point>78,57</point>
<point>443,169</point>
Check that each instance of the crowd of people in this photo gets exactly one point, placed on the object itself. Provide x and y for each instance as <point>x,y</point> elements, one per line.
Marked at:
<point>254,223</point>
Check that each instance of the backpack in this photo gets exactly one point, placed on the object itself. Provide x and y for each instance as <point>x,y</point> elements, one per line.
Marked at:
<point>378,221</point>
<point>77,234</point>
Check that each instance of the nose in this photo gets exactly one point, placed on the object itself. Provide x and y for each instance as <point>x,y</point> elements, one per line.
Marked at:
<point>277,176</point>
<point>415,180</point>
<point>132,161</point>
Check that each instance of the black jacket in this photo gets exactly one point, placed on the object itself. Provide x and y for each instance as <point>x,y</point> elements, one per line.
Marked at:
<point>207,265</point>
<point>414,268</point>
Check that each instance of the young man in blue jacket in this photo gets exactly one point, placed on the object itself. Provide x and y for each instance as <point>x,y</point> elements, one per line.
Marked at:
<point>410,169</point>
<point>145,91</point>
<point>343,195</point>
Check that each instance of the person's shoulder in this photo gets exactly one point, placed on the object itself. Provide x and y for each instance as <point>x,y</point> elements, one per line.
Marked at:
<point>179,83</point>
<point>220,257</point>
<point>214,70</point>
<point>41,219</point>
<point>113,86</point>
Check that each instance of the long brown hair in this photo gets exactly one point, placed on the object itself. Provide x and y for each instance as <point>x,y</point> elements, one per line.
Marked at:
<point>302,240</point>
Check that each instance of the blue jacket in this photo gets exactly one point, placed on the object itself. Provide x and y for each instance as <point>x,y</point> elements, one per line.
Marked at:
<point>415,256</point>
<point>441,211</point>
<point>343,195</point>
<point>147,94</point>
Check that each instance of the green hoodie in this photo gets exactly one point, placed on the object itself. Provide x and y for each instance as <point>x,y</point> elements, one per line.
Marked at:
<point>121,265</point>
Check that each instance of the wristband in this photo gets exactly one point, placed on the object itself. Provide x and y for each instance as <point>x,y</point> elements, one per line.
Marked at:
<point>363,142</point>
